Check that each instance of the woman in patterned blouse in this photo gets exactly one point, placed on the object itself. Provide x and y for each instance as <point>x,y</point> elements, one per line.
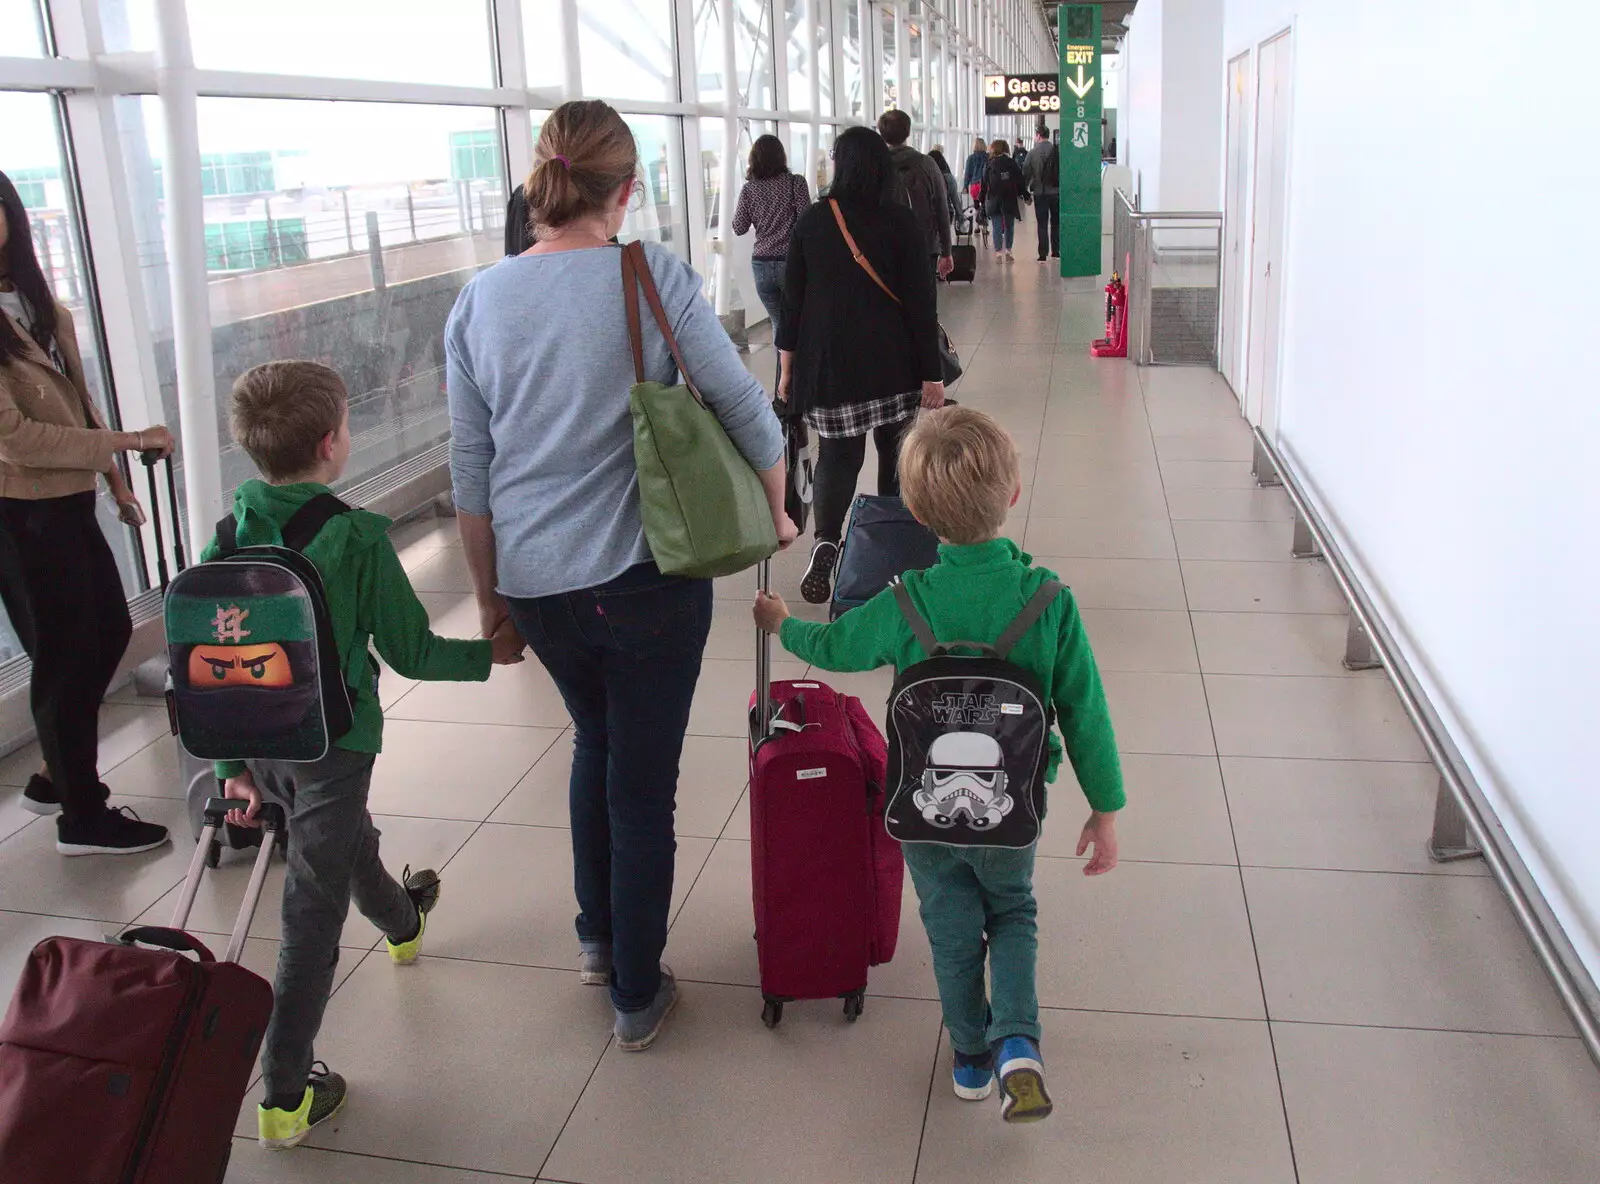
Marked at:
<point>771,201</point>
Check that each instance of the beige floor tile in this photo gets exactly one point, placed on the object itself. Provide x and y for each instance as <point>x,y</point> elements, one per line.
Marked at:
<point>451,614</point>
<point>34,878</point>
<point>1273,643</point>
<point>443,571</point>
<point>1230,505</point>
<point>1139,1100</point>
<point>1176,813</point>
<point>1233,427</point>
<point>511,900</point>
<point>1292,586</point>
<point>1207,474</point>
<point>13,816</point>
<point>1188,386</point>
<point>1232,446</point>
<point>309,1165</point>
<point>733,631</point>
<point>20,932</point>
<point>1072,417</point>
<point>1264,542</point>
<point>1321,718</point>
<point>391,687</point>
<point>431,770</point>
<point>787,569</point>
<point>1159,713</point>
<point>1141,640</point>
<point>421,538</point>
<point>711,776</point>
<point>1150,937</point>
<point>1368,816</point>
<point>1397,951</point>
<point>419,842</point>
<point>1143,500</point>
<point>520,695</point>
<point>152,772</point>
<point>1082,452</point>
<point>461,1064</point>
<point>1398,1107</point>
<point>125,729</point>
<point>722,697</point>
<point>739,821</point>
<point>713,936</point>
<point>1101,538</point>
<point>721,1098</point>
<point>1119,583</point>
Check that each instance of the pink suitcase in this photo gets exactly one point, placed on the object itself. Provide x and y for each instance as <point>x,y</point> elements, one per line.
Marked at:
<point>826,875</point>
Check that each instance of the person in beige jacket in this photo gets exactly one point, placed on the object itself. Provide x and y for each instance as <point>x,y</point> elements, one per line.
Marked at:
<point>58,578</point>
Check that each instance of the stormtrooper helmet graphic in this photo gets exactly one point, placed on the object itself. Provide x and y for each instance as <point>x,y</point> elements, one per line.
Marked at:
<point>964,782</point>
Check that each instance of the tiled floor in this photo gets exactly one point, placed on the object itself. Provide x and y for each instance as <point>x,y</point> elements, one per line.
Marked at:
<point>1276,985</point>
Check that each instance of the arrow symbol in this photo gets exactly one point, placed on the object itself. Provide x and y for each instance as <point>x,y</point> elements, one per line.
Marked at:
<point>1080,87</point>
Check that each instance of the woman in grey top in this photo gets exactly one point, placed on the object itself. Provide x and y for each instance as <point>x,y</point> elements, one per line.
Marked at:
<point>547,494</point>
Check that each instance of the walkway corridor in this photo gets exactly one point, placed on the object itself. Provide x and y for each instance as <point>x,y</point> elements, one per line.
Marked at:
<point>1275,986</point>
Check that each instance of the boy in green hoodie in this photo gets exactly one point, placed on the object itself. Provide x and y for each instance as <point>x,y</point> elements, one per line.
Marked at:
<point>293,419</point>
<point>959,476</point>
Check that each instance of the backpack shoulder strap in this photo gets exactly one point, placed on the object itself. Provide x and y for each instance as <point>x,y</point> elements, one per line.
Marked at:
<point>227,536</point>
<point>920,628</point>
<point>1028,617</point>
<point>310,518</point>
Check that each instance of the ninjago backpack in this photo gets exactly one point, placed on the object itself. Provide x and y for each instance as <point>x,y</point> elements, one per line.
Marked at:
<point>969,738</point>
<point>255,671</point>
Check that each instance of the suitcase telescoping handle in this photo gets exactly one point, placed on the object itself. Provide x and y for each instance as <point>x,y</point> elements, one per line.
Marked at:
<point>272,821</point>
<point>763,659</point>
<point>150,460</point>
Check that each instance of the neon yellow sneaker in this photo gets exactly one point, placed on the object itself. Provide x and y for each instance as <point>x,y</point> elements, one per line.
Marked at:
<point>281,1129</point>
<point>423,888</point>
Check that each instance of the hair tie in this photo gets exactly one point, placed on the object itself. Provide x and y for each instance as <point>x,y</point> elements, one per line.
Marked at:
<point>562,159</point>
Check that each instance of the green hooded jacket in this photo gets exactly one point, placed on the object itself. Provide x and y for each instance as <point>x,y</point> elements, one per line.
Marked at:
<point>369,597</point>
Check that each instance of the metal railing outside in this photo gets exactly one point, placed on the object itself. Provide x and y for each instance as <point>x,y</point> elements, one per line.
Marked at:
<point>1464,824</point>
<point>1172,264</point>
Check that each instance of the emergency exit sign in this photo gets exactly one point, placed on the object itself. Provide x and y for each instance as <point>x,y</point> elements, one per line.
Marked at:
<point>1078,26</point>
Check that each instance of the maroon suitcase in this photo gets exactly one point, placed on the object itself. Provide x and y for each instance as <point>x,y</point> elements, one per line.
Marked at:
<point>123,1064</point>
<point>826,876</point>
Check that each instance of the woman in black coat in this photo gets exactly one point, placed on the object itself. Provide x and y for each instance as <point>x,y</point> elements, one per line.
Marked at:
<point>859,359</point>
<point>1002,186</point>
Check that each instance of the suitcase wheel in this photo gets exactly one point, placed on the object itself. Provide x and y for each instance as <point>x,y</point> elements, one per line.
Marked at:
<point>854,1004</point>
<point>772,1013</point>
<point>214,854</point>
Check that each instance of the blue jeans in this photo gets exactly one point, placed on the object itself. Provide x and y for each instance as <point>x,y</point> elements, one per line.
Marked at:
<point>769,287</point>
<point>1005,230</point>
<point>968,894</point>
<point>625,656</point>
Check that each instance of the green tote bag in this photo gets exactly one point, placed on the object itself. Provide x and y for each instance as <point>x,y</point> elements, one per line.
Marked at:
<point>705,511</point>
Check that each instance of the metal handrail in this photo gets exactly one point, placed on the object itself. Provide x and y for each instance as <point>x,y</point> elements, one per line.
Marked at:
<point>1554,950</point>
<point>1195,214</point>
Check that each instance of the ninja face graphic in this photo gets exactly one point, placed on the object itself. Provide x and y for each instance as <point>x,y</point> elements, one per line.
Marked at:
<point>964,782</point>
<point>240,666</point>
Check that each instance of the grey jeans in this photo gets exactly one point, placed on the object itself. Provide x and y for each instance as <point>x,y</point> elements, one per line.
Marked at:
<point>333,858</point>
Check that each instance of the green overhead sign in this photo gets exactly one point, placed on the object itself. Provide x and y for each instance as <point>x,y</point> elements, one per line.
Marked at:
<point>1079,33</point>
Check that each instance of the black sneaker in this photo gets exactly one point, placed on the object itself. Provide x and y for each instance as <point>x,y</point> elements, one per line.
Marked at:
<point>817,584</point>
<point>111,832</point>
<point>40,797</point>
<point>280,1127</point>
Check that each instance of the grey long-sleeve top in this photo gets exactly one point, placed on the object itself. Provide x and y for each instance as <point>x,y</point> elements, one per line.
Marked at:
<point>539,366</point>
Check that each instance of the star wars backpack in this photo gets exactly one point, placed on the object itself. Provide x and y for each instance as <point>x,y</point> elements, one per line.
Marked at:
<point>968,738</point>
<point>255,671</point>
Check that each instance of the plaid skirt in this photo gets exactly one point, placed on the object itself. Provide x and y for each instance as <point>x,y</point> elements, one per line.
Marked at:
<point>857,419</point>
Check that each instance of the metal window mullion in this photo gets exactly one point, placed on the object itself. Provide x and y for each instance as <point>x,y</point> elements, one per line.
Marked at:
<point>253,84</point>
<point>871,61</point>
<point>694,194</point>
<point>730,147</point>
<point>512,63</point>
<point>46,74</point>
<point>902,51</point>
<point>814,82</point>
<point>571,55</point>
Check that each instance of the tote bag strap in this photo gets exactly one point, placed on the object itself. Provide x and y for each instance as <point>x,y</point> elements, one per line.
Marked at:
<point>855,251</point>
<point>636,275</point>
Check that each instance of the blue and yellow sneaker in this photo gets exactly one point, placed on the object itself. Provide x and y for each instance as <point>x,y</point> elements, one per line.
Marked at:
<point>1023,1097</point>
<point>423,888</point>
<point>974,1076</point>
<point>280,1128</point>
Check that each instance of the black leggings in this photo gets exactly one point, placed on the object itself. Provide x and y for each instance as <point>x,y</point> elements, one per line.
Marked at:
<point>64,595</point>
<point>839,461</point>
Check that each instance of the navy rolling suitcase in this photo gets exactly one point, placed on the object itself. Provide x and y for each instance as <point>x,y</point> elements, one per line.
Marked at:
<point>881,541</point>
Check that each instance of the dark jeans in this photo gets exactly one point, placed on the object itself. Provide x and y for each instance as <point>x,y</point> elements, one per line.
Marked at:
<point>62,591</point>
<point>333,857</point>
<point>839,461</point>
<point>1049,207</point>
<point>625,656</point>
<point>769,288</point>
<point>1005,231</point>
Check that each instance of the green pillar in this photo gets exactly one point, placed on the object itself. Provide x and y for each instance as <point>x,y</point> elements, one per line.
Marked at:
<point>1078,28</point>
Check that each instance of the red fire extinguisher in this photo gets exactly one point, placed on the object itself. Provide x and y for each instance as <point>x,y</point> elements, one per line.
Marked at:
<point>1115,343</point>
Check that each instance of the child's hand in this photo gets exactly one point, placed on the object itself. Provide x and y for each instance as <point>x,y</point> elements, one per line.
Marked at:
<point>507,644</point>
<point>244,788</point>
<point>1101,830</point>
<point>770,612</point>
